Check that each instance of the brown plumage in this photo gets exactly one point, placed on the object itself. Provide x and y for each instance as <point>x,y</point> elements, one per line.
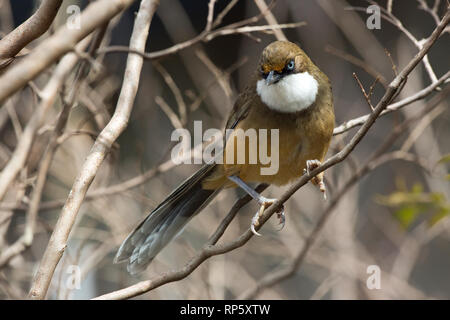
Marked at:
<point>303,135</point>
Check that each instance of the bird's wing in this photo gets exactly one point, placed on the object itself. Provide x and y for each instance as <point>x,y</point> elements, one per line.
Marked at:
<point>241,106</point>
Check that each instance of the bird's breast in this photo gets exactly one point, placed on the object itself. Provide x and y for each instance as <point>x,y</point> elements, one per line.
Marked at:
<point>293,93</point>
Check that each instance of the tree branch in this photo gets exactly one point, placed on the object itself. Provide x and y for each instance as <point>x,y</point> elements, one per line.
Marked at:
<point>27,238</point>
<point>394,106</point>
<point>31,29</point>
<point>49,94</point>
<point>54,47</point>
<point>102,145</point>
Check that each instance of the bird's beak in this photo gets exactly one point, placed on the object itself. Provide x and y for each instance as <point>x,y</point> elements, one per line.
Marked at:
<point>272,77</point>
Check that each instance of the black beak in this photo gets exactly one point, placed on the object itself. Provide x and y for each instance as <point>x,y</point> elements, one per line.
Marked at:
<point>272,77</point>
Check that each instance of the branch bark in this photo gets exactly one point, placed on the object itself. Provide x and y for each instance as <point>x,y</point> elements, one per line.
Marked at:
<point>28,31</point>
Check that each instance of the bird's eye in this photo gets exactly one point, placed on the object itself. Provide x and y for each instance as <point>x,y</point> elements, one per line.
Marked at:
<point>290,66</point>
<point>264,74</point>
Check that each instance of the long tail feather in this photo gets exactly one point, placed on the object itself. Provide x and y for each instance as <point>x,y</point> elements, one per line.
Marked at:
<point>165,222</point>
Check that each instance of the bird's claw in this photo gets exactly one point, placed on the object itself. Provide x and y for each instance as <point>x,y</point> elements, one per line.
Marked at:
<point>323,188</point>
<point>317,180</point>
<point>265,203</point>
<point>255,223</point>
<point>282,217</point>
<point>311,165</point>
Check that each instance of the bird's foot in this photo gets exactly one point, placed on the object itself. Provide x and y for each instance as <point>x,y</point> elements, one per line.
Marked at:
<point>264,204</point>
<point>317,180</point>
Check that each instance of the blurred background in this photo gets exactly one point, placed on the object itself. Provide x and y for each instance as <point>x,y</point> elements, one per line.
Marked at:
<point>394,217</point>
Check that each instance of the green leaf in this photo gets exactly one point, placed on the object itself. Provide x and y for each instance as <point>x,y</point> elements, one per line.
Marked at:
<point>444,159</point>
<point>442,213</point>
<point>408,205</point>
<point>407,215</point>
<point>437,198</point>
<point>417,189</point>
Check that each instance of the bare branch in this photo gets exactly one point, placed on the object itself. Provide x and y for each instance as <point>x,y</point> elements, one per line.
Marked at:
<point>388,16</point>
<point>357,62</point>
<point>49,94</point>
<point>209,19</point>
<point>432,11</point>
<point>366,95</point>
<point>109,134</point>
<point>26,239</point>
<point>182,109</point>
<point>248,29</point>
<point>389,5</point>
<point>270,18</point>
<point>394,67</point>
<point>221,78</point>
<point>395,106</point>
<point>224,12</point>
<point>174,120</point>
<point>31,29</point>
<point>63,41</point>
<point>207,35</point>
<point>201,38</point>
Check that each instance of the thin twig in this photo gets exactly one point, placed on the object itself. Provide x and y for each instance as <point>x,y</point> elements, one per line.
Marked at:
<point>200,38</point>
<point>208,35</point>
<point>357,62</point>
<point>209,19</point>
<point>389,5</point>
<point>220,76</point>
<point>366,96</point>
<point>432,11</point>
<point>224,12</point>
<point>347,125</point>
<point>176,122</point>
<point>182,109</point>
<point>24,144</point>
<point>270,18</point>
<point>394,66</point>
<point>14,119</point>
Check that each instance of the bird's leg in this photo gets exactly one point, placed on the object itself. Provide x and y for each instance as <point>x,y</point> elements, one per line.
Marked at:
<point>317,180</point>
<point>262,201</point>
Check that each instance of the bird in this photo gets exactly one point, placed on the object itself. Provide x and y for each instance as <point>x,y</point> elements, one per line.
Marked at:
<point>287,92</point>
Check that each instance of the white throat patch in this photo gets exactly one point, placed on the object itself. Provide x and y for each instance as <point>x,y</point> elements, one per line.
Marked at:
<point>295,92</point>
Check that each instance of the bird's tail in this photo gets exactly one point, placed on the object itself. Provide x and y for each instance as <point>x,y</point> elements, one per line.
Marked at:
<point>165,222</point>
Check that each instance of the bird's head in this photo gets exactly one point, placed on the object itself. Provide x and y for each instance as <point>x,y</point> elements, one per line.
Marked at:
<point>286,79</point>
<point>281,59</point>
